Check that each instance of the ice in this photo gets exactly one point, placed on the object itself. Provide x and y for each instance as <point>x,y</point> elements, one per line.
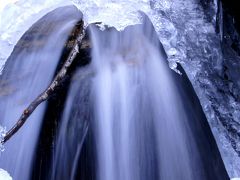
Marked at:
<point>4,175</point>
<point>2,134</point>
<point>16,16</point>
<point>190,39</point>
<point>105,11</point>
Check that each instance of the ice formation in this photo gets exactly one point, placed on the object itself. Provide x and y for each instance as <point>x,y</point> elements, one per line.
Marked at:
<point>2,134</point>
<point>16,17</point>
<point>4,175</point>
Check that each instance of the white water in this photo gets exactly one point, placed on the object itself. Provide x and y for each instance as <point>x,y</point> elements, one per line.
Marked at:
<point>175,21</point>
<point>31,70</point>
<point>139,133</point>
<point>72,129</point>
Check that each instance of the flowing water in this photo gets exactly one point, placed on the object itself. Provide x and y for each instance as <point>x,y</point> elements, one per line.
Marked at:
<point>142,124</point>
<point>73,128</point>
<point>188,33</point>
<point>28,71</point>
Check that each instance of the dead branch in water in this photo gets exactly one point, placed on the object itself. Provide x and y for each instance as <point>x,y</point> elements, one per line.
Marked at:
<point>51,88</point>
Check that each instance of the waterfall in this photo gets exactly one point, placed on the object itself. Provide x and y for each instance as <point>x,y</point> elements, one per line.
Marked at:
<point>73,128</point>
<point>28,71</point>
<point>127,115</point>
<point>133,118</point>
<point>141,121</point>
<point>140,125</point>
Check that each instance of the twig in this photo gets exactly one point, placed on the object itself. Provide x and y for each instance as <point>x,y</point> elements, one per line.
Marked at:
<point>51,88</point>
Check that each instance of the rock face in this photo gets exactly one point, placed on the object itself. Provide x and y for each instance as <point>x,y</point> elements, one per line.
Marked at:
<point>229,115</point>
<point>226,101</point>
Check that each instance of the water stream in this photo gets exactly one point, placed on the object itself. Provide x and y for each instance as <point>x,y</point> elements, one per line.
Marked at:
<point>141,127</point>
<point>187,32</point>
<point>136,128</point>
<point>127,116</point>
<point>133,118</point>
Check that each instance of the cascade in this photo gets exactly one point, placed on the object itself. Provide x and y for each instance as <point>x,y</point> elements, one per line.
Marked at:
<point>121,113</point>
<point>133,118</point>
<point>28,71</point>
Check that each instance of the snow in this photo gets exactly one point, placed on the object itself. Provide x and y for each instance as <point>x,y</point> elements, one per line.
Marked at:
<point>4,175</point>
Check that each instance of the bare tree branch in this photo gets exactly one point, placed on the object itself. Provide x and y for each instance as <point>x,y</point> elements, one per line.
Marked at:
<point>51,88</point>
